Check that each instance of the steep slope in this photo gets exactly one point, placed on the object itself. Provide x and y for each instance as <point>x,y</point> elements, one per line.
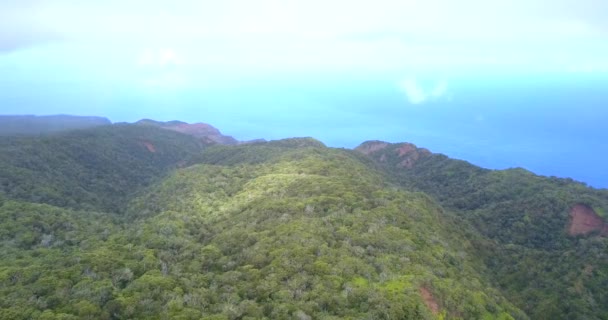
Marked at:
<point>542,237</point>
<point>279,230</point>
<point>36,125</point>
<point>95,169</point>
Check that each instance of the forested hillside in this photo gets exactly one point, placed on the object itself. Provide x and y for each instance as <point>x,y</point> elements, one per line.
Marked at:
<point>139,222</point>
<point>544,238</point>
<point>93,169</point>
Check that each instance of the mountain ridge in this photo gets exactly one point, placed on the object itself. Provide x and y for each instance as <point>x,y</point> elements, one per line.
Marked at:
<point>36,125</point>
<point>136,221</point>
<point>204,131</point>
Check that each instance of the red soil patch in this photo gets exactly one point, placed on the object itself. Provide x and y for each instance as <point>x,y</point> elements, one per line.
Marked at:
<point>429,300</point>
<point>405,149</point>
<point>410,155</point>
<point>149,146</point>
<point>410,152</point>
<point>370,148</point>
<point>583,220</point>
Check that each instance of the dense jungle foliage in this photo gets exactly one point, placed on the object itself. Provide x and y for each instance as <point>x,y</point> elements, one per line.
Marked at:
<point>537,264</point>
<point>135,222</point>
<point>95,169</point>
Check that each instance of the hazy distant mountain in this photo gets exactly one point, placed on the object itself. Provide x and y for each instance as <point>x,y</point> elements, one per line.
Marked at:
<point>199,130</point>
<point>140,222</point>
<point>35,125</point>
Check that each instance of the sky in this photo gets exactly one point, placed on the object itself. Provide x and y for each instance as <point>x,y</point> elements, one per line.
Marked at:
<point>498,83</point>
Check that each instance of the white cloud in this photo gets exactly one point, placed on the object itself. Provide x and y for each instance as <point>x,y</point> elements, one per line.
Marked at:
<point>160,69</point>
<point>414,92</point>
<point>159,58</point>
<point>417,94</point>
<point>440,90</point>
<point>189,20</point>
<point>165,81</point>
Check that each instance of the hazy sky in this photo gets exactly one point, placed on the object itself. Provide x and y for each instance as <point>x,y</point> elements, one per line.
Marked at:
<point>456,76</point>
<point>179,44</point>
<point>175,44</point>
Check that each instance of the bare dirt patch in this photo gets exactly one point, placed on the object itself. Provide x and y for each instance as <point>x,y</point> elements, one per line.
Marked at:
<point>409,153</point>
<point>370,148</point>
<point>584,220</point>
<point>405,149</point>
<point>429,300</point>
<point>149,146</point>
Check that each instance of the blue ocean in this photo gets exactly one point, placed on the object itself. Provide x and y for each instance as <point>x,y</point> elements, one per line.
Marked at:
<point>550,125</point>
